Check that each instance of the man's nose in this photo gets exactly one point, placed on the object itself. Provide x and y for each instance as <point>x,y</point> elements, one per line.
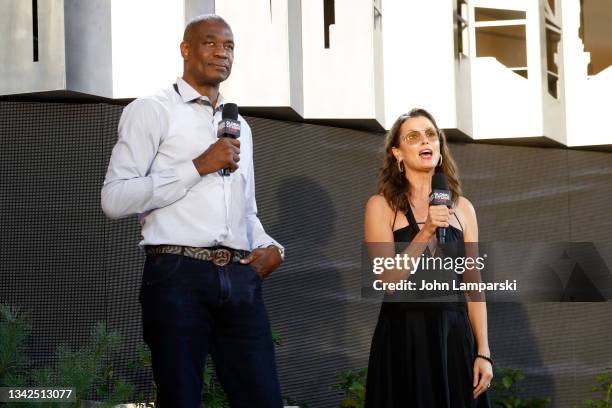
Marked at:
<point>220,52</point>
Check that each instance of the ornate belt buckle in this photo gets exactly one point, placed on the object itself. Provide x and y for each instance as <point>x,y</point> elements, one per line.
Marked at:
<point>221,257</point>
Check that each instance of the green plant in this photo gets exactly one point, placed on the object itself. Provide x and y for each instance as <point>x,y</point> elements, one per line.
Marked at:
<point>507,390</point>
<point>352,383</point>
<point>604,387</point>
<point>141,363</point>
<point>91,368</point>
<point>14,329</point>
<point>291,403</point>
<point>88,370</point>
<point>276,338</point>
<point>213,394</point>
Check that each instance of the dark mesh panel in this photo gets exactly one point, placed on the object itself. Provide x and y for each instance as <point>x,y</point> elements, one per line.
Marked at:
<point>312,185</point>
<point>69,266</point>
<point>590,175</point>
<point>53,233</point>
<point>520,194</point>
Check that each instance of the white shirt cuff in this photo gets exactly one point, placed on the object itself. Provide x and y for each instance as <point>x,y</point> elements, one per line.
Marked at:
<point>276,244</point>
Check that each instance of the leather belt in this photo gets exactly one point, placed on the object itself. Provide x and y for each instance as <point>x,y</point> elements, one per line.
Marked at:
<point>220,256</point>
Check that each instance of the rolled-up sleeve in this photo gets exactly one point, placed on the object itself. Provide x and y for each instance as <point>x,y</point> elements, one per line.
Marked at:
<point>129,187</point>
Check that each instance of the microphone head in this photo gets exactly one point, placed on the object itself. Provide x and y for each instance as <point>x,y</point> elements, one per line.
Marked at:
<point>440,193</point>
<point>230,111</point>
<point>229,125</point>
<point>439,181</point>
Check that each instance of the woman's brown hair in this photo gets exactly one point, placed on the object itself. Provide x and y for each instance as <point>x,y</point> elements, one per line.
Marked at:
<point>392,184</point>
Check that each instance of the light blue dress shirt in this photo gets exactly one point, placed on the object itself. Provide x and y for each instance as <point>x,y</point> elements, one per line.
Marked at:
<point>151,173</point>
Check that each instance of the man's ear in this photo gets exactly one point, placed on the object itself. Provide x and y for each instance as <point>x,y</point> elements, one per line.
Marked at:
<point>184,49</point>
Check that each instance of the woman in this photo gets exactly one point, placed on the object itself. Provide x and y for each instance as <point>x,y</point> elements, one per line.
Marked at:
<point>423,354</point>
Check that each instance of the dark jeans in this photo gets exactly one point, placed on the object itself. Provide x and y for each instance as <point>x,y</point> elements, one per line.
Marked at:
<point>191,308</point>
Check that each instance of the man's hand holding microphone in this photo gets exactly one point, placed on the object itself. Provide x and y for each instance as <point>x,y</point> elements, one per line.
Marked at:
<point>224,154</point>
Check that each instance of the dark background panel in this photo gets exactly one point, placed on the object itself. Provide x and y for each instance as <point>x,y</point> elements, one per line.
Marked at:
<point>52,231</point>
<point>590,174</point>
<point>520,193</point>
<point>69,266</point>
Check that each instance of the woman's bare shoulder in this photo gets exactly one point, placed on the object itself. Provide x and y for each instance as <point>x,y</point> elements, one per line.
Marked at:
<point>378,220</point>
<point>464,205</point>
<point>465,212</point>
<point>378,203</point>
<point>379,207</point>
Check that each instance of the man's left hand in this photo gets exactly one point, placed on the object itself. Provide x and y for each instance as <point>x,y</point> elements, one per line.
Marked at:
<point>263,260</point>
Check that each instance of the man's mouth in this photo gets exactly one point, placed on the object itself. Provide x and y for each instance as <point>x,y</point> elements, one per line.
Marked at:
<point>219,66</point>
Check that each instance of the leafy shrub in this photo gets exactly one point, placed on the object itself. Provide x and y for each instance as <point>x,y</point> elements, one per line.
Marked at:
<point>603,388</point>
<point>352,383</point>
<point>508,391</point>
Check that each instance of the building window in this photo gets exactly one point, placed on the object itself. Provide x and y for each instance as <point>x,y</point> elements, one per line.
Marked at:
<point>35,30</point>
<point>501,34</point>
<point>329,18</point>
<point>596,31</point>
<point>553,36</point>
<point>461,17</point>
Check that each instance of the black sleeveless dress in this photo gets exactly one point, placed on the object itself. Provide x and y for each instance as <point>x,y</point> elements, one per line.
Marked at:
<point>422,353</point>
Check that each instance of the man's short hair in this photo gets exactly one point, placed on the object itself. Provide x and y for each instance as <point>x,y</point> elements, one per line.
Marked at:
<point>202,18</point>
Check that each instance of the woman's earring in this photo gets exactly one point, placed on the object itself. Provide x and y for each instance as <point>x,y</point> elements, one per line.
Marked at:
<point>399,166</point>
<point>440,161</point>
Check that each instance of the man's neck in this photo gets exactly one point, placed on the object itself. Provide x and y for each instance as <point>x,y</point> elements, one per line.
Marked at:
<point>209,90</point>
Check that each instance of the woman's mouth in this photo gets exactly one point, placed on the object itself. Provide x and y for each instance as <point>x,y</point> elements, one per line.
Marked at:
<point>426,154</point>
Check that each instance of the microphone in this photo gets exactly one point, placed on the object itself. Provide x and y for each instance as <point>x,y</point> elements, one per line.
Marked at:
<point>229,126</point>
<point>440,195</point>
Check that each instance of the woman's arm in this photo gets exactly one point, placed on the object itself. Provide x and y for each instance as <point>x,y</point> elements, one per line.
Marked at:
<point>477,307</point>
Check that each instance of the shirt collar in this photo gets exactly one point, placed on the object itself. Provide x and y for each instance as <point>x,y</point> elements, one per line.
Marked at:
<point>188,94</point>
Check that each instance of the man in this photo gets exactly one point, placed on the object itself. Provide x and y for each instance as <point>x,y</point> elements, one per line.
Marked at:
<point>201,288</point>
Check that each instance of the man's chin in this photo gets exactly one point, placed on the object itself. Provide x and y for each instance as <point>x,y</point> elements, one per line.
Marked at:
<point>217,79</point>
<point>210,81</point>
<point>209,78</point>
